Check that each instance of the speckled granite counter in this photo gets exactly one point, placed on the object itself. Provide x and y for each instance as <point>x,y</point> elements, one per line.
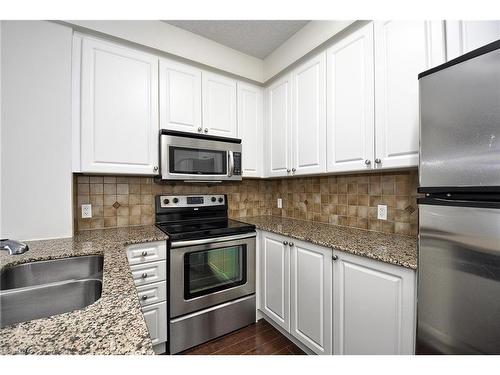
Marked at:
<point>114,324</point>
<point>390,248</point>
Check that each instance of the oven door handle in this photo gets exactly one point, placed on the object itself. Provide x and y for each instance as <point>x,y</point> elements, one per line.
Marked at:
<point>230,167</point>
<point>177,244</point>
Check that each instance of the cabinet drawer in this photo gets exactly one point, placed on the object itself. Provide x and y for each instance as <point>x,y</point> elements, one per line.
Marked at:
<point>149,272</point>
<point>147,252</point>
<point>156,320</point>
<point>152,293</point>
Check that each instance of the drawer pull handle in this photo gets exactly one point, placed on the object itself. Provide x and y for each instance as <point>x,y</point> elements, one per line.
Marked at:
<point>144,275</point>
<point>144,297</point>
<point>144,253</point>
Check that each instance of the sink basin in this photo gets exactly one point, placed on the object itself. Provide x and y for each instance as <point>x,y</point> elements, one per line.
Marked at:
<point>50,271</point>
<point>42,289</point>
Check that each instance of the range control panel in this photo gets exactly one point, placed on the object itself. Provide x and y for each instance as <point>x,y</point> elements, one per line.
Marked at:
<point>167,201</point>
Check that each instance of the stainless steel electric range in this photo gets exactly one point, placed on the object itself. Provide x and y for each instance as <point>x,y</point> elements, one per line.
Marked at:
<point>211,269</point>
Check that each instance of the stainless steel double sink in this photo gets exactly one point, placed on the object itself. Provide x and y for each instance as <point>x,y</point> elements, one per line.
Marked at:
<point>41,289</point>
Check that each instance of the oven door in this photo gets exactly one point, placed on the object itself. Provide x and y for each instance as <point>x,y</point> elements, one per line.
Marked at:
<point>189,158</point>
<point>204,273</point>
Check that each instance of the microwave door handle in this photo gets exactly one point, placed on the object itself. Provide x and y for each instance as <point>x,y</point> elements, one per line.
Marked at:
<point>230,163</point>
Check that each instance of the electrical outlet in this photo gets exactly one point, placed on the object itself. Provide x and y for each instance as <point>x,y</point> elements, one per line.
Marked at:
<point>382,212</point>
<point>86,211</point>
<point>280,203</point>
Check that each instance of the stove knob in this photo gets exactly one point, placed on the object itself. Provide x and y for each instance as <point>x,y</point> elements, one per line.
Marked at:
<point>221,200</point>
<point>175,200</point>
<point>166,201</point>
<point>213,199</point>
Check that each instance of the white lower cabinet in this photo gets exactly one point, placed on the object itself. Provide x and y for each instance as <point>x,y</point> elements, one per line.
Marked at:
<point>374,308</point>
<point>333,302</point>
<point>275,278</point>
<point>311,296</point>
<point>296,283</point>
<point>156,320</point>
<point>150,280</point>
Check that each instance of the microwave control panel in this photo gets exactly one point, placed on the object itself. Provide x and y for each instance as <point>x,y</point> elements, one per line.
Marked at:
<point>237,163</point>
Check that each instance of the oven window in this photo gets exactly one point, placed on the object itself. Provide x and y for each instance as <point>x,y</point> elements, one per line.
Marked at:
<point>187,160</point>
<point>208,271</point>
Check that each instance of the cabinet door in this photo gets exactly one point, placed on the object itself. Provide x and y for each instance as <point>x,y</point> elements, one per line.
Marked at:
<point>309,117</point>
<point>275,279</point>
<point>311,296</point>
<point>219,105</point>
<point>374,307</point>
<point>180,97</point>
<point>279,127</point>
<point>250,127</point>
<point>402,50</point>
<point>465,36</point>
<point>156,320</point>
<point>350,107</point>
<point>119,109</point>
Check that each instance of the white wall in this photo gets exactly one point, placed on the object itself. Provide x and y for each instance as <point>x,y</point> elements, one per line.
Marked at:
<point>174,40</point>
<point>36,182</point>
<point>299,44</point>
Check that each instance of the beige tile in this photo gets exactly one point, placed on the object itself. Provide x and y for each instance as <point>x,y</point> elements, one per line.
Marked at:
<point>83,179</point>
<point>96,180</point>
<point>135,220</point>
<point>122,199</point>
<point>97,223</point>
<point>109,180</point>
<point>109,211</point>
<point>122,221</point>
<point>109,189</point>
<point>110,222</point>
<point>134,199</point>
<point>96,188</point>
<point>134,189</point>
<point>123,211</point>
<point>109,200</point>
<point>135,210</point>
<point>97,200</point>
<point>83,188</point>
<point>121,188</point>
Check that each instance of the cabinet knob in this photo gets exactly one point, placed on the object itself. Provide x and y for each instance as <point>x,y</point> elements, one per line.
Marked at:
<point>378,161</point>
<point>290,244</point>
<point>144,297</point>
<point>285,243</point>
<point>335,257</point>
<point>368,161</point>
<point>144,253</point>
<point>155,168</point>
<point>293,170</point>
<point>206,130</point>
<point>288,171</point>
<point>200,129</point>
<point>144,275</point>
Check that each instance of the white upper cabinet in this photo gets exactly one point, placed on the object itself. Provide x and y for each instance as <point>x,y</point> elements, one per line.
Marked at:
<point>219,105</point>
<point>465,36</point>
<point>309,116</point>
<point>250,128</point>
<point>275,278</point>
<point>403,49</point>
<point>374,309</point>
<point>350,107</point>
<point>311,296</point>
<point>180,97</point>
<point>119,109</point>
<point>278,158</point>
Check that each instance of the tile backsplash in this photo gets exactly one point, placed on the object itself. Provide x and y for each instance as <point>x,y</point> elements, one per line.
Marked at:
<point>348,200</point>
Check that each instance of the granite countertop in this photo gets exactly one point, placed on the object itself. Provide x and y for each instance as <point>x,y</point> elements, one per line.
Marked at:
<point>389,248</point>
<point>114,324</point>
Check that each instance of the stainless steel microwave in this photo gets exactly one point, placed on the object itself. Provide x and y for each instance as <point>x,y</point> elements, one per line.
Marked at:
<point>196,157</point>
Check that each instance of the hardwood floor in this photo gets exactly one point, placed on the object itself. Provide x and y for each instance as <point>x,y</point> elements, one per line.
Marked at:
<point>260,338</point>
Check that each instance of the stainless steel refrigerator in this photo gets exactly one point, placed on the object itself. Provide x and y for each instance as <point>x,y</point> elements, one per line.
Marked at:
<point>459,213</point>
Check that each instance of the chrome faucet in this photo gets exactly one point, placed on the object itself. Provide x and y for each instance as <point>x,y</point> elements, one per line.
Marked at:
<point>13,247</point>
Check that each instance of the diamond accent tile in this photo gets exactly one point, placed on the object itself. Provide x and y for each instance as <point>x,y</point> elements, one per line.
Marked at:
<point>116,205</point>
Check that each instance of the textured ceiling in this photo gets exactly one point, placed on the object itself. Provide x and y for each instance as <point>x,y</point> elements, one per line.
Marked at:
<point>255,38</point>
